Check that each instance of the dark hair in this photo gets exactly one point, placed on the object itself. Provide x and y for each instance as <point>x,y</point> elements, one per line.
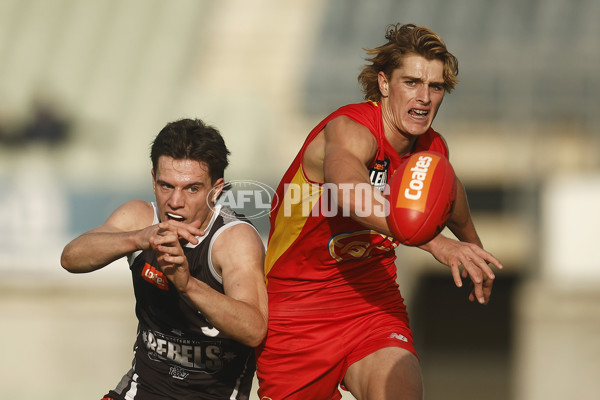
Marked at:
<point>192,139</point>
<point>401,41</point>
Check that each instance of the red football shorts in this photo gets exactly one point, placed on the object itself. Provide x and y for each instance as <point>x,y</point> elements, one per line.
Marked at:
<point>307,352</point>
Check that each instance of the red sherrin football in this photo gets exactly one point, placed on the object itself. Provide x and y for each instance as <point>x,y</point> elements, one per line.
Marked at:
<point>421,198</point>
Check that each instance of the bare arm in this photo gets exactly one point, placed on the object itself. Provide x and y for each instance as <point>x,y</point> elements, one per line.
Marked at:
<point>467,251</point>
<point>349,147</point>
<point>117,237</point>
<point>460,222</point>
<point>126,230</point>
<point>238,254</point>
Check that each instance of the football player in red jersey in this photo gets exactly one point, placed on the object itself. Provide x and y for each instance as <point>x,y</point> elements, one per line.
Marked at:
<point>336,315</point>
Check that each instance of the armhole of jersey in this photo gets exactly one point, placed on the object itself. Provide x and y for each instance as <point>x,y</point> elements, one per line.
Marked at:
<point>302,153</point>
<point>222,229</point>
<point>131,257</point>
<point>445,144</point>
<point>443,139</point>
<point>379,136</point>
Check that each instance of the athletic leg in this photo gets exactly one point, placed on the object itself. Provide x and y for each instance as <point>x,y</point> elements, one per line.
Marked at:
<point>390,373</point>
<point>301,359</point>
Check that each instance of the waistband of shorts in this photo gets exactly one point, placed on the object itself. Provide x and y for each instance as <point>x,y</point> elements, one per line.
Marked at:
<point>307,303</point>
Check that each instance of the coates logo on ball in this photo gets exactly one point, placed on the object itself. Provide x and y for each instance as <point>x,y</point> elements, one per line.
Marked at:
<point>253,199</point>
<point>421,198</point>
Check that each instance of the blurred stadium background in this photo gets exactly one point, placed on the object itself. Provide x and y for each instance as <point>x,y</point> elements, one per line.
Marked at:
<point>86,84</point>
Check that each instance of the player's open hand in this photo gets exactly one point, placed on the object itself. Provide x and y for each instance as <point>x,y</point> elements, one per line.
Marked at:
<point>475,263</point>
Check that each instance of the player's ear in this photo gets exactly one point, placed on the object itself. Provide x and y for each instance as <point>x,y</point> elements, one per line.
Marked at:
<point>217,189</point>
<point>382,80</point>
<point>153,180</point>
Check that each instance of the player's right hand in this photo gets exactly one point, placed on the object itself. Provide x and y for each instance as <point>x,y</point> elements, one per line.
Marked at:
<point>186,232</point>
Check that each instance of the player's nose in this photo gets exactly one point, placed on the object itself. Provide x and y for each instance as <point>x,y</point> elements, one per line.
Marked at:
<point>423,95</point>
<point>176,199</point>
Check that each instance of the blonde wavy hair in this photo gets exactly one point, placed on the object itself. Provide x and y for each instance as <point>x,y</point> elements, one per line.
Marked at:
<point>403,40</point>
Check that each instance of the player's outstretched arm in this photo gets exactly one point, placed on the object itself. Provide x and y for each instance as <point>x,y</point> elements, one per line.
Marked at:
<point>467,252</point>
<point>238,256</point>
<point>474,260</point>
<point>460,222</point>
<point>349,148</point>
<point>121,234</point>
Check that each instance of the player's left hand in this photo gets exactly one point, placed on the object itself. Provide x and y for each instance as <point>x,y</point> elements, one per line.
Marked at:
<point>173,262</point>
<point>474,261</point>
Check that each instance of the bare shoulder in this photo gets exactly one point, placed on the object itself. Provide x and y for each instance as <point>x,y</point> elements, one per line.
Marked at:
<point>239,236</point>
<point>346,131</point>
<point>340,133</point>
<point>132,215</point>
<point>238,249</point>
<point>312,161</point>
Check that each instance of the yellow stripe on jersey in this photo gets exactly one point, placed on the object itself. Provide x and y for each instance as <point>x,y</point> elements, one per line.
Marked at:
<point>299,200</point>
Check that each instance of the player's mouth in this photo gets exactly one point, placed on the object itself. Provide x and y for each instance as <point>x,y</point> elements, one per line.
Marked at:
<point>175,217</point>
<point>418,114</point>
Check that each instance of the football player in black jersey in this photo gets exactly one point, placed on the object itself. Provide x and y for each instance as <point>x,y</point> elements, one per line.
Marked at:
<point>197,270</point>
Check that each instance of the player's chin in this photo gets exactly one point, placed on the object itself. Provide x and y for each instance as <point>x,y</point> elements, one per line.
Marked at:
<point>418,127</point>
<point>416,131</point>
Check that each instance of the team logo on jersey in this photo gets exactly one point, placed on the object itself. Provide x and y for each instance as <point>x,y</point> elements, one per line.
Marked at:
<point>155,277</point>
<point>378,173</point>
<point>360,244</point>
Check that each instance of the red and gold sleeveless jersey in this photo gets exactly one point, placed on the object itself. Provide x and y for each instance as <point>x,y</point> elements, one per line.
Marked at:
<point>316,250</point>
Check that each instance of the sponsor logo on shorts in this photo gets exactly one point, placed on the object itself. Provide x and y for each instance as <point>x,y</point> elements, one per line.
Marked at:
<point>398,336</point>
